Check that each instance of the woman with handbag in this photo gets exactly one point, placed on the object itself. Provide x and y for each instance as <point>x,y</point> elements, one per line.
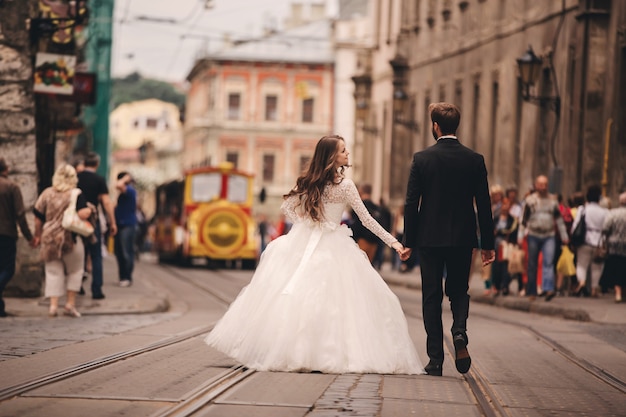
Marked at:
<point>505,230</point>
<point>593,215</point>
<point>614,230</point>
<point>61,249</point>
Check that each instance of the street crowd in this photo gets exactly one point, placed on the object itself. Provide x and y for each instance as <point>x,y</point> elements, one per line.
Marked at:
<point>553,246</point>
<point>71,254</point>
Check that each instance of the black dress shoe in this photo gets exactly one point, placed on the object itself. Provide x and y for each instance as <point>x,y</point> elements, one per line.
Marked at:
<point>434,369</point>
<point>98,297</point>
<point>462,358</point>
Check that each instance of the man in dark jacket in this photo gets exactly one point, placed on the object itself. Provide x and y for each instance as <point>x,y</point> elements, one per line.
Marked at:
<point>445,182</point>
<point>12,212</point>
<point>96,192</point>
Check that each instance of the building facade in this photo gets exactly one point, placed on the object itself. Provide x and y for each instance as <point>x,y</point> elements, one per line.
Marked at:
<point>147,141</point>
<point>568,124</point>
<point>262,104</point>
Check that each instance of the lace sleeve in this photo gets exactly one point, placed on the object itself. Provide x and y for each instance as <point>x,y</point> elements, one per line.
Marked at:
<point>354,200</point>
<point>289,209</point>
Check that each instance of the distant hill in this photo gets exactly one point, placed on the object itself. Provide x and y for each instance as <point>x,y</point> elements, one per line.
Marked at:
<point>134,87</point>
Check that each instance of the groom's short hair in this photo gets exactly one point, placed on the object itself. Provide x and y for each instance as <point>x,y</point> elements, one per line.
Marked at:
<point>446,115</point>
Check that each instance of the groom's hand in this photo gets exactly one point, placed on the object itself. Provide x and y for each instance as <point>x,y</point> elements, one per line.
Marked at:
<point>405,254</point>
<point>488,256</point>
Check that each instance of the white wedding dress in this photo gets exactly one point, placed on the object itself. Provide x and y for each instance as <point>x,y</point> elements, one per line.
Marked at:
<point>315,303</point>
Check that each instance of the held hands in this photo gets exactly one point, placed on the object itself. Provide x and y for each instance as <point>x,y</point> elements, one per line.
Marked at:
<point>402,251</point>
<point>488,256</point>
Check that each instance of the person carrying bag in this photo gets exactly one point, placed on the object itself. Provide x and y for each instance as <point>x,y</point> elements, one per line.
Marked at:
<point>72,222</point>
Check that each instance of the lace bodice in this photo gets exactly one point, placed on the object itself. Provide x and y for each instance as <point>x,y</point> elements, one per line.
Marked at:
<point>335,199</point>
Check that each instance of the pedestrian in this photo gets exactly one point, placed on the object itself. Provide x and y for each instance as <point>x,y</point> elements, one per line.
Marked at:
<point>385,221</point>
<point>126,218</point>
<point>12,213</point>
<point>564,266</point>
<point>496,195</point>
<point>505,231</point>
<point>593,215</point>
<point>315,303</point>
<point>541,213</point>
<point>265,231</point>
<point>515,210</point>
<point>366,239</point>
<point>445,181</point>
<point>95,190</point>
<point>614,230</point>
<point>62,251</point>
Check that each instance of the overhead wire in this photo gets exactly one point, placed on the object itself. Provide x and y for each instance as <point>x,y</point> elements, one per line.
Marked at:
<point>180,41</point>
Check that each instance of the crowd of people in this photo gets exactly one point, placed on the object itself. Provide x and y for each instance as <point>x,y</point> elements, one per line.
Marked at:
<point>71,258</point>
<point>539,229</point>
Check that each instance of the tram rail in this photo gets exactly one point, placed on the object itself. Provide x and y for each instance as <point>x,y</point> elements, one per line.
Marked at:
<point>108,360</point>
<point>487,398</point>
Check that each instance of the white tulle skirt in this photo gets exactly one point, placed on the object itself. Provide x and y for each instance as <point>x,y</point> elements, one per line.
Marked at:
<point>315,303</point>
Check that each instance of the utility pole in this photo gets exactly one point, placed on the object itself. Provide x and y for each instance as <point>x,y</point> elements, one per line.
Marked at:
<point>96,117</point>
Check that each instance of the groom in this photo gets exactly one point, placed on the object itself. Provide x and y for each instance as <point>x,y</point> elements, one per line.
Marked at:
<point>445,182</point>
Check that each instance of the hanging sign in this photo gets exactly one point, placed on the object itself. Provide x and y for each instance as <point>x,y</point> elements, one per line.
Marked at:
<point>54,74</point>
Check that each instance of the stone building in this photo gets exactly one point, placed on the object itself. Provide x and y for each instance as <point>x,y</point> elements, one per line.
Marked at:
<point>262,104</point>
<point>568,124</point>
<point>38,130</point>
<point>18,144</point>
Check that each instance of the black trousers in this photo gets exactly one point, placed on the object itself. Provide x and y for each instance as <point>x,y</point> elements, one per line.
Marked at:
<point>457,262</point>
<point>8,252</point>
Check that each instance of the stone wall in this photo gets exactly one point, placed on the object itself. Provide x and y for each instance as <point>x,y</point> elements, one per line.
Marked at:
<point>17,131</point>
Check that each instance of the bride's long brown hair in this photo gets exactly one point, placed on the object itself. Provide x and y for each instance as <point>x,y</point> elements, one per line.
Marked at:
<point>321,171</point>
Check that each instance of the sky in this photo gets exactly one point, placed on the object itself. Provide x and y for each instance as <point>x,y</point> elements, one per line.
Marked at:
<point>162,38</point>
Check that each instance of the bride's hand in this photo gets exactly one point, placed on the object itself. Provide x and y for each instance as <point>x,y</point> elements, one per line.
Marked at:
<point>398,247</point>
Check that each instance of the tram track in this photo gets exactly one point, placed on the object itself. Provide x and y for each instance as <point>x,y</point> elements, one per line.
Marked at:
<point>486,396</point>
<point>478,385</point>
<point>599,373</point>
<point>188,404</point>
<point>82,368</point>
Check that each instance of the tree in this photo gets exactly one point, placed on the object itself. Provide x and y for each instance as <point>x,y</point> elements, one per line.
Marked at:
<point>134,87</point>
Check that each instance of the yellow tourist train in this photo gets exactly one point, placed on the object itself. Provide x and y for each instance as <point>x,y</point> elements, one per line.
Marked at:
<point>207,216</point>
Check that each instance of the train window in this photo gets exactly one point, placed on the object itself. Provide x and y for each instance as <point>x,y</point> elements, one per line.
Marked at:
<point>237,189</point>
<point>206,187</point>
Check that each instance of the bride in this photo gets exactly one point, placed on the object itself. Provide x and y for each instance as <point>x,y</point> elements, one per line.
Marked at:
<point>315,303</point>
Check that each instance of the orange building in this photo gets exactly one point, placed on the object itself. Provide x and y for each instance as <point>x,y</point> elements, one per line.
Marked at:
<point>262,104</point>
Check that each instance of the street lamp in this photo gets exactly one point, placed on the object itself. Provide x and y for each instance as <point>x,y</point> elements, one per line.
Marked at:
<point>530,67</point>
<point>362,97</point>
<point>401,112</point>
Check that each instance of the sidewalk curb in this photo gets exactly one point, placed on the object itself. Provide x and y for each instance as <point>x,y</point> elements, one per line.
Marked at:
<point>540,306</point>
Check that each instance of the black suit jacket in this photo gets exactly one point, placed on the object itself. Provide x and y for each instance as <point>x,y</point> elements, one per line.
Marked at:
<point>445,181</point>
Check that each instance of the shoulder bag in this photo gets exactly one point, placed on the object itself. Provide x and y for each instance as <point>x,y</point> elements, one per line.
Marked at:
<point>579,233</point>
<point>600,252</point>
<point>72,222</point>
